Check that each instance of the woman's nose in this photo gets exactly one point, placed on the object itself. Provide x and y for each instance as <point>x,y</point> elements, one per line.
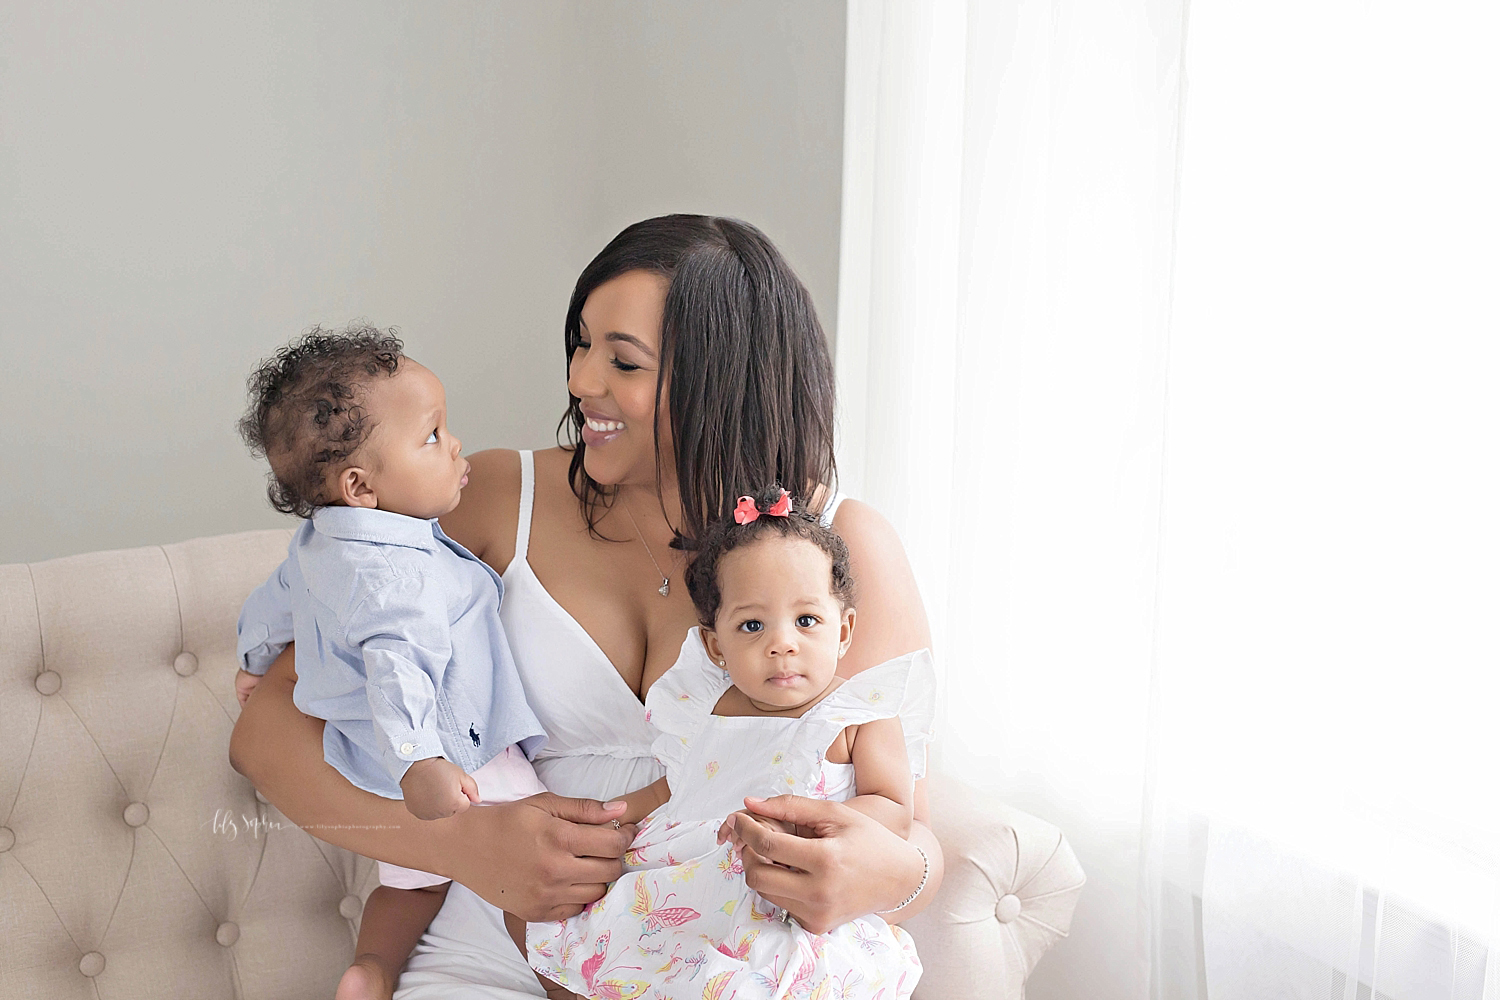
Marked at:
<point>583,380</point>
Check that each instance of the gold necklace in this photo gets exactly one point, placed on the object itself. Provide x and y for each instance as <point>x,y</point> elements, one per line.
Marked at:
<point>666,583</point>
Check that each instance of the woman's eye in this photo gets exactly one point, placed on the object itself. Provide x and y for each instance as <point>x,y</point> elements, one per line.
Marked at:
<point>432,438</point>
<point>753,625</point>
<point>625,366</point>
<point>806,621</point>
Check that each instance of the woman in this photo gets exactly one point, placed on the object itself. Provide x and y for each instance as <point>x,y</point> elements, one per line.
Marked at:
<point>696,367</point>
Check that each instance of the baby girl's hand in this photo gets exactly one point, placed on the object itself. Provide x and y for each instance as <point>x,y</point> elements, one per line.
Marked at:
<point>729,830</point>
<point>244,683</point>
<point>437,788</point>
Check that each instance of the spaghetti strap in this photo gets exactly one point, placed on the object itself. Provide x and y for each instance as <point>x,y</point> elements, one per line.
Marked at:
<point>528,495</point>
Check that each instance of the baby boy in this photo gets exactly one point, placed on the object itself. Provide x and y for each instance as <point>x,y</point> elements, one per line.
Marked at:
<point>399,641</point>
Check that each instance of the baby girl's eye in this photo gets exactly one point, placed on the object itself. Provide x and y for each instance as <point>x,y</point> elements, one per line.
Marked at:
<point>806,621</point>
<point>432,438</point>
<point>753,625</point>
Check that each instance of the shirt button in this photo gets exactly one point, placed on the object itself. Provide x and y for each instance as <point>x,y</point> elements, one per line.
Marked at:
<point>408,748</point>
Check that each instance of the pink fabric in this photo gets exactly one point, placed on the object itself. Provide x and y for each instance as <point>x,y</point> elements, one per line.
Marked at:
<point>508,776</point>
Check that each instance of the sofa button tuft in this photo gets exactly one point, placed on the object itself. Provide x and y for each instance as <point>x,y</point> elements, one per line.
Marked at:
<point>350,907</point>
<point>186,664</point>
<point>228,933</point>
<point>136,814</point>
<point>7,839</point>
<point>91,964</point>
<point>1008,909</point>
<point>49,682</point>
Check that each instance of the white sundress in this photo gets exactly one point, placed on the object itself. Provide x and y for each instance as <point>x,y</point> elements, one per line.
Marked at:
<point>681,922</point>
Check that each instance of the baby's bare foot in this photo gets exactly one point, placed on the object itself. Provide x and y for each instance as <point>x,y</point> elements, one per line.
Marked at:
<point>365,980</point>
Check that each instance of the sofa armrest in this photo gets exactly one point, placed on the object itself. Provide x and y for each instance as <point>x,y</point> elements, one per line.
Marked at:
<point>1008,895</point>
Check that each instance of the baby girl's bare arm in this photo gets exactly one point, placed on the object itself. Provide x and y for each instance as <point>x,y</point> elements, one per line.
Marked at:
<point>882,774</point>
<point>643,801</point>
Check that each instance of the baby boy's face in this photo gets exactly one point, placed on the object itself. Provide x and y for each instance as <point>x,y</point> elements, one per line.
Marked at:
<point>412,462</point>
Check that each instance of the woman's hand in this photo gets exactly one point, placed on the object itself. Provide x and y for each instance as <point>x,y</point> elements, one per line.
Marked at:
<point>840,864</point>
<point>745,816</point>
<point>530,857</point>
<point>541,858</point>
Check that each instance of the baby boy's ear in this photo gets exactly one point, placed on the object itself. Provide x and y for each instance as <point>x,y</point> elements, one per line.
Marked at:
<point>353,488</point>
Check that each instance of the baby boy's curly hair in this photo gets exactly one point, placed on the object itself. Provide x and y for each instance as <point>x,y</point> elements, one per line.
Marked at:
<point>305,415</point>
<point>725,536</point>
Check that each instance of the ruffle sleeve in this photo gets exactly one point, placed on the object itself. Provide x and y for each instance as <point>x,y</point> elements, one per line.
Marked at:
<point>681,701</point>
<point>905,687</point>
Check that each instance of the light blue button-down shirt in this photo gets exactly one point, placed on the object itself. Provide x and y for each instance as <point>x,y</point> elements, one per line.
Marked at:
<point>399,645</point>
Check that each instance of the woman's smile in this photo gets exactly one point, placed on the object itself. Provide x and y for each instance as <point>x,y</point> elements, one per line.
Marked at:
<point>599,431</point>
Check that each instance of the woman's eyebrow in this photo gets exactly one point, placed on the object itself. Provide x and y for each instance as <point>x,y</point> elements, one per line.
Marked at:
<point>631,338</point>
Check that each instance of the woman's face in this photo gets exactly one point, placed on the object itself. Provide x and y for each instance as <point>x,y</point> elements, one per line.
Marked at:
<point>613,373</point>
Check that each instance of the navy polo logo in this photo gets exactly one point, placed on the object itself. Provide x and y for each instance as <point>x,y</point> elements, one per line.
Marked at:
<point>473,735</point>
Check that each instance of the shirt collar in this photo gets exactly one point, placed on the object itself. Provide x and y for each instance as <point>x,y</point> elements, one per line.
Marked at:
<point>366,524</point>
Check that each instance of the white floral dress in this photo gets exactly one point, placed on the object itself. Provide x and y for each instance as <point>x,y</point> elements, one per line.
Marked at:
<point>681,922</point>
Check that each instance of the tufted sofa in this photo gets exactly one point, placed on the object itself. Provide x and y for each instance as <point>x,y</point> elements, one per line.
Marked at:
<point>135,863</point>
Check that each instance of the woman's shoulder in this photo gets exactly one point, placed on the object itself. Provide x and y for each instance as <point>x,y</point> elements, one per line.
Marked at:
<point>875,549</point>
<point>484,522</point>
<point>889,618</point>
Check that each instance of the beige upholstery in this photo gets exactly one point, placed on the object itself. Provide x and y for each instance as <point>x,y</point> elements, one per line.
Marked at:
<point>135,863</point>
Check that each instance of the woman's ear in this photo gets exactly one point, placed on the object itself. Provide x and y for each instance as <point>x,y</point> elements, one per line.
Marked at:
<point>354,489</point>
<point>711,644</point>
<point>846,632</point>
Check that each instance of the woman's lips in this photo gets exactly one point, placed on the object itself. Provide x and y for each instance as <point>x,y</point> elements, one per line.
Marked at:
<point>598,431</point>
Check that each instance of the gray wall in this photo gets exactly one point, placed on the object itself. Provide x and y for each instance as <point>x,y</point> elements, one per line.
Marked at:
<point>183,186</point>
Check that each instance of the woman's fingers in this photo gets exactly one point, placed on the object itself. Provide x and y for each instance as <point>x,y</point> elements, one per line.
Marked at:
<point>549,863</point>
<point>582,894</point>
<point>774,845</point>
<point>576,833</point>
<point>595,842</point>
<point>797,892</point>
<point>590,811</point>
<point>575,871</point>
<point>817,816</point>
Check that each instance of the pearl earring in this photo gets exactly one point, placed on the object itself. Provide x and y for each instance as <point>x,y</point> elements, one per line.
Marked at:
<point>721,663</point>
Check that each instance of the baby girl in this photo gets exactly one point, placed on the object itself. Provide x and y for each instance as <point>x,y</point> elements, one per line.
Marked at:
<point>399,642</point>
<point>754,707</point>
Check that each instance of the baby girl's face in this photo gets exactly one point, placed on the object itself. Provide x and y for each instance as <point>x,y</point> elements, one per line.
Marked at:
<point>411,463</point>
<point>779,631</point>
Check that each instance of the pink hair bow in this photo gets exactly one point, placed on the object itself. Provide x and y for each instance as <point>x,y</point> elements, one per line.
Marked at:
<point>745,511</point>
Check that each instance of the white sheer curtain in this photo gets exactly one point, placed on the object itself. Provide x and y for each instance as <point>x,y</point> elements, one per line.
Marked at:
<point>1257,688</point>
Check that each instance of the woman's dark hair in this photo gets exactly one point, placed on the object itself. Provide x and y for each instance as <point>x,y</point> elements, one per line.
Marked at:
<point>726,535</point>
<point>751,383</point>
<point>305,415</point>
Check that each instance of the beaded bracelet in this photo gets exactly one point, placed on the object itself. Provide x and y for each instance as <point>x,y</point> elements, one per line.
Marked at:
<point>926,870</point>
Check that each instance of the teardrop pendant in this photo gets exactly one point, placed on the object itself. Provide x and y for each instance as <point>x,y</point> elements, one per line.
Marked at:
<point>666,585</point>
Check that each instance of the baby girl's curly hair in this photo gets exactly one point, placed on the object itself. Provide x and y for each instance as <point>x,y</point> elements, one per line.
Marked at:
<point>305,415</point>
<point>727,535</point>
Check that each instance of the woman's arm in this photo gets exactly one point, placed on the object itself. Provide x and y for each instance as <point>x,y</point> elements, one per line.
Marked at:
<point>848,864</point>
<point>549,867</point>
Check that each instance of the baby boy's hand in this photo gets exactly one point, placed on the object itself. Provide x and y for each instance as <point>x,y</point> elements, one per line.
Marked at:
<point>244,683</point>
<point>437,788</point>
